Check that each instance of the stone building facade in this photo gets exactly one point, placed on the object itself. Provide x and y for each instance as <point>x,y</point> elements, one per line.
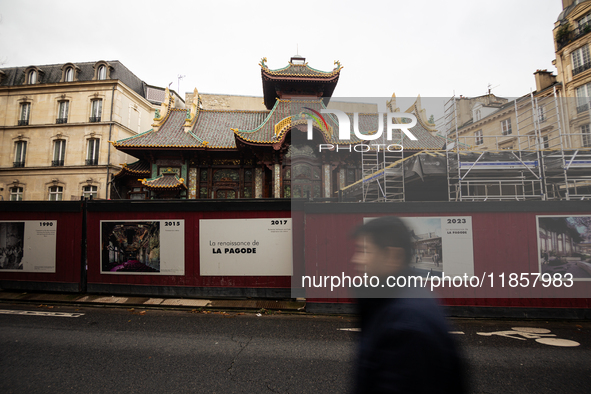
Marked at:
<point>56,123</point>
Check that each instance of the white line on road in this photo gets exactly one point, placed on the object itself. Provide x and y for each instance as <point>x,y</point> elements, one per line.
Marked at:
<point>38,313</point>
<point>359,329</point>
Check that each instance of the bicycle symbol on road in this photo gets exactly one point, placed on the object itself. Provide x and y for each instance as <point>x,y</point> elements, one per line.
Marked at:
<point>541,335</point>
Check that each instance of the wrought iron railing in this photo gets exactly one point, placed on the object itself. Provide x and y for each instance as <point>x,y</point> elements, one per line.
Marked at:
<point>61,120</point>
<point>582,68</point>
<point>92,162</point>
<point>23,122</point>
<point>57,163</point>
<point>18,164</point>
<point>94,119</point>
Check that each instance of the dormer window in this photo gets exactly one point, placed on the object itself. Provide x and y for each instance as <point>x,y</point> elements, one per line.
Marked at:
<point>69,77</point>
<point>32,77</point>
<point>102,71</point>
<point>69,72</point>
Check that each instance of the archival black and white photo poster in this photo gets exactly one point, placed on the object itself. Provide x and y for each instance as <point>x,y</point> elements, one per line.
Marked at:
<point>245,247</point>
<point>28,246</point>
<point>441,245</point>
<point>155,247</point>
<point>564,245</point>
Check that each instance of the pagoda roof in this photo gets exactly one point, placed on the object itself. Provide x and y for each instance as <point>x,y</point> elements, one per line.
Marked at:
<point>212,130</point>
<point>167,181</point>
<point>299,71</point>
<point>218,129</point>
<point>289,113</point>
<point>137,168</point>
<point>297,79</point>
<point>284,116</point>
<point>170,135</point>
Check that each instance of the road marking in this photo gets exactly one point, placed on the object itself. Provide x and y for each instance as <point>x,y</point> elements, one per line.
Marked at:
<point>558,342</point>
<point>540,335</point>
<point>531,330</point>
<point>38,313</point>
<point>359,330</point>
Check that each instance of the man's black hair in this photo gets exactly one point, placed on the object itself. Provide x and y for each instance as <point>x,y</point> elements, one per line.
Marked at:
<point>387,231</point>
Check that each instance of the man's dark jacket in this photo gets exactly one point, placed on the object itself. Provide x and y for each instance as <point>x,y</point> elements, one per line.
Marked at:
<point>405,347</point>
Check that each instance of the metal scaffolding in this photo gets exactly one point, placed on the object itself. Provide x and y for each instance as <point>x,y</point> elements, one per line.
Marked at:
<point>542,153</point>
<point>531,161</point>
<point>382,171</point>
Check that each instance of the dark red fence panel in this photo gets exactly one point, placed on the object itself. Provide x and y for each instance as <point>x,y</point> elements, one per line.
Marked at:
<point>505,241</point>
<point>191,283</point>
<point>49,245</point>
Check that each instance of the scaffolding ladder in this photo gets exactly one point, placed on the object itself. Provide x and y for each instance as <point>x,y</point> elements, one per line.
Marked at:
<point>382,179</point>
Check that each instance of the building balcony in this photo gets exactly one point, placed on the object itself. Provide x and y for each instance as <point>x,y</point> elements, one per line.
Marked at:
<point>18,164</point>
<point>92,162</point>
<point>94,119</point>
<point>582,108</point>
<point>23,122</point>
<point>571,36</point>
<point>61,120</point>
<point>582,68</point>
<point>57,163</point>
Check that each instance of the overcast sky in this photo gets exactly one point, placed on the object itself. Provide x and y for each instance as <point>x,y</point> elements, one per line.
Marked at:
<point>429,47</point>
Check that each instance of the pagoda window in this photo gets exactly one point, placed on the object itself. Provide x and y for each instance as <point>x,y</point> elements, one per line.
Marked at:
<point>306,181</point>
<point>350,176</point>
<point>203,183</point>
<point>226,175</point>
<point>248,177</point>
<point>226,183</point>
<point>227,194</point>
<point>287,182</point>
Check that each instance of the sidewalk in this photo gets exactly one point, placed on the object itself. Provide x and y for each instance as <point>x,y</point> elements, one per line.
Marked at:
<point>147,302</point>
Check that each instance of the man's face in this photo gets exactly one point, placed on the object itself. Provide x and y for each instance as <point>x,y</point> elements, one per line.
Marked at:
<point>376,261</point>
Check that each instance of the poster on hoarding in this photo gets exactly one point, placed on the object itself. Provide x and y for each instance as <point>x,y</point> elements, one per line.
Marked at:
<point>147,247</point>
<point>245,247</point>
<point>564,246</point>
<point>441,245</point>
<point>28,246</point>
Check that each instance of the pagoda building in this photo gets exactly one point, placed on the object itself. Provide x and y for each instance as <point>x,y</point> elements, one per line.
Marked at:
<point>199,153</point>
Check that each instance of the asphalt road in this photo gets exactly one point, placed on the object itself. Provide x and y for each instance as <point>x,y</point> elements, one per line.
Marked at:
<point>107,350</point>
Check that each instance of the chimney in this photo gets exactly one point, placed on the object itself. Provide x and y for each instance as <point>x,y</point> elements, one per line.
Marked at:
<point>544,78</point>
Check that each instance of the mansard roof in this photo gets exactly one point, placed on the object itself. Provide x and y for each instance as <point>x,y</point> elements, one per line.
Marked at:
<point>52,73</point>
